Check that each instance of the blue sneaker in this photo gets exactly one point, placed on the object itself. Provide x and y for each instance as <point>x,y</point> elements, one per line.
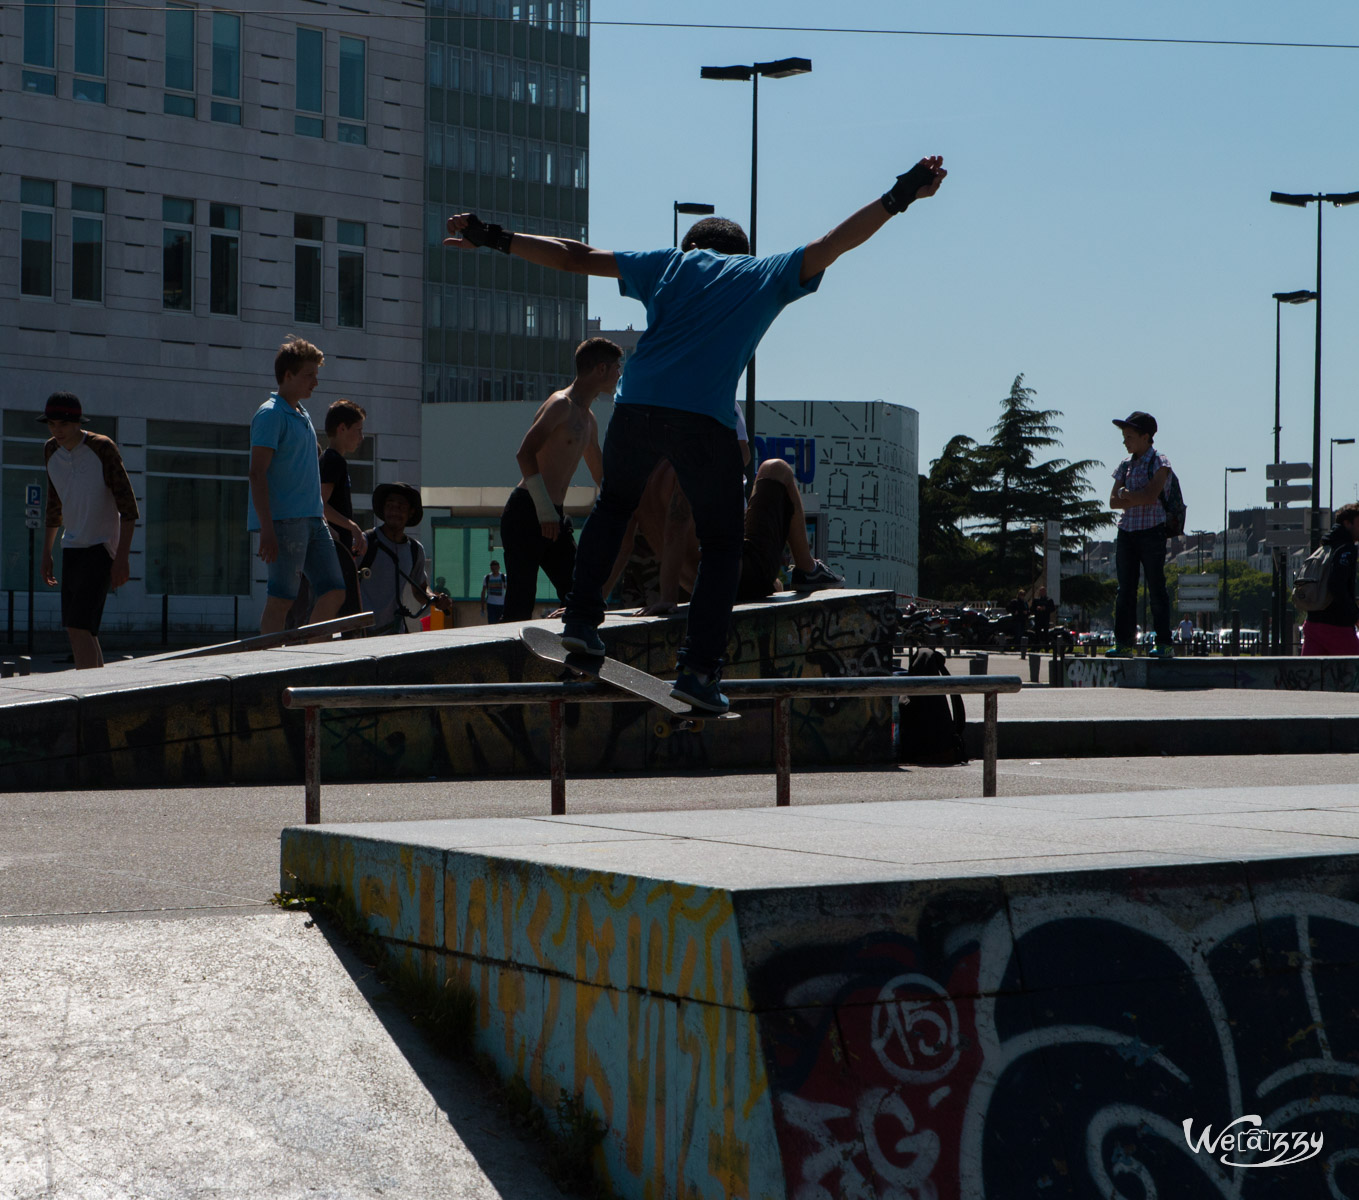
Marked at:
<point>581,638</point>
<point>700,691</point>
<point>1121,650</point>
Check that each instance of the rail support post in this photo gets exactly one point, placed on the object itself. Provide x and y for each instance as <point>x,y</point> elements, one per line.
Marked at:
<point>990,710</point>
<point>783,751</point>
<point>557,756</point>
<point>311,753</point>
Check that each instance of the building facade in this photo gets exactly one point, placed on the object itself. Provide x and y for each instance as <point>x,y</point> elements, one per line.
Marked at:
<point>507,137</point>
<point>182,188</point>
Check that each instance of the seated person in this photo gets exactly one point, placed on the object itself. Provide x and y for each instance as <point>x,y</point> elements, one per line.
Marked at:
<point>774,519</point>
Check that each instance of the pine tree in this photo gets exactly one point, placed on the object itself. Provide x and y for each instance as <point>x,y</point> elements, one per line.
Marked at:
<point>1011,487</point>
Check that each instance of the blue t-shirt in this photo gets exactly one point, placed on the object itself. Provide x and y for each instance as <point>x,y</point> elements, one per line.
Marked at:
<point>705,314</point>
<point>294,471</point>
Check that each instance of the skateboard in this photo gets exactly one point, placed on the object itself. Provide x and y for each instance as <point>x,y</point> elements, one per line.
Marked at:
<point>678,716</point>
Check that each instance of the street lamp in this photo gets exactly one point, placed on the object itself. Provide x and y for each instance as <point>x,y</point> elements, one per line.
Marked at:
<point>1278,557</point>
<point>1225,472</point>
<point>1302,201</point>
<point>1334,443</point>
<point>779,69</point>
<point>696,210</point>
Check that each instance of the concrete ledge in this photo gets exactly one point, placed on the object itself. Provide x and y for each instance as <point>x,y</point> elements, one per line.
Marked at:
<point>1173,735</point>
<point>168,721</point>
<point>1284,674</point>
<point>954,998</point>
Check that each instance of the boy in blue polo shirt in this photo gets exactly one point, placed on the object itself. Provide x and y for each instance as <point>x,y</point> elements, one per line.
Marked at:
<point>708,305</point>
<point>285,492</point>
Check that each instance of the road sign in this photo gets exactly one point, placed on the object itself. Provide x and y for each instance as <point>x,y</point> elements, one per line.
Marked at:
<point>1288,470</point>
<point>1288,491</point>
<point>32,494</point>
<point>32,510</point>
<point>1198,581</point>
<point>1206,605</point>
<point>1286,518</point>
<point>31,522</point>
<point>1287,537</point>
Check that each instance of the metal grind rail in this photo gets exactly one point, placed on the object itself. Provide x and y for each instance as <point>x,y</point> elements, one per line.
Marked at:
<point>311,700</point>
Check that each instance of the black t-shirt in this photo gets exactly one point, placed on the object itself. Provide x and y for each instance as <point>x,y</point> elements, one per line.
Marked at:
<point>1042,609</point>
<point>1017,608</point>
<point>335,470</point>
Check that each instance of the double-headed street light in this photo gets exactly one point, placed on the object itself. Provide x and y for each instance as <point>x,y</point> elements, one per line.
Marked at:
<point>1334,443</point>
<point>1225,472</point>
<point>693,210</point>
<point>779,69</point>
<point>1302,201</point>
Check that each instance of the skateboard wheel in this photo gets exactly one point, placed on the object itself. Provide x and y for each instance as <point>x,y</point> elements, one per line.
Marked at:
<point>661,729</point>
<point>696,725</point>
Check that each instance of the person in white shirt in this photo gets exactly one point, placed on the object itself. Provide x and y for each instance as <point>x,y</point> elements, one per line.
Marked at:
<point>90,494</point>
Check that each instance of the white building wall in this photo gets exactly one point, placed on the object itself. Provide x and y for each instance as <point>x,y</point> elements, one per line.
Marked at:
<point>130,358</point>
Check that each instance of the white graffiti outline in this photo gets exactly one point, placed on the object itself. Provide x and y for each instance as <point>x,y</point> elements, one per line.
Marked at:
<point>896,1017</point>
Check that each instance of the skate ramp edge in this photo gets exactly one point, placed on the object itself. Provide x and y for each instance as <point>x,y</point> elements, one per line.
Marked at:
<point>952,998</point>
<point>172,722</point>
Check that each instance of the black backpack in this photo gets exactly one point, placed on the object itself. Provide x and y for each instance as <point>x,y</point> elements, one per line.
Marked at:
<point>930,728</point>
<point>1312,584</point>
<point>1172,500</point>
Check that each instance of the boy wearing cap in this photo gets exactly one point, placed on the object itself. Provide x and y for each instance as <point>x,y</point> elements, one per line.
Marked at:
<point>285,492</point>
<point>90,494</point>
<point>1139,481</point>
<point>392,574</point>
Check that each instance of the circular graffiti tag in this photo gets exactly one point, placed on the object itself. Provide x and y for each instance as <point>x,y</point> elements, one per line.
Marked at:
<point>915,1029</point>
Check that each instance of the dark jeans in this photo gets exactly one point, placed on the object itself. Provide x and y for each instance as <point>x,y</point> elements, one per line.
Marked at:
<point>707,461</point>
<point>526,550</point>
<point>1144,549</point>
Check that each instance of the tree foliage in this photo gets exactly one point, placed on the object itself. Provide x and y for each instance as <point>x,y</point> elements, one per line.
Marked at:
<point>978,500</point>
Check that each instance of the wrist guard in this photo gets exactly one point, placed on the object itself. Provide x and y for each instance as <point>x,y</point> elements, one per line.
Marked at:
<point>904,190</point>
<point>542,502</point>
<point>495,237</point>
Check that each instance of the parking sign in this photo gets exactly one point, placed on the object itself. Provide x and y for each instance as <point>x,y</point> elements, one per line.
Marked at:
<point>32,495</point>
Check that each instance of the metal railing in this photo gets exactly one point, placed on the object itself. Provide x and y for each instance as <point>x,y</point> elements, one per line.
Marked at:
<point>311,700</point>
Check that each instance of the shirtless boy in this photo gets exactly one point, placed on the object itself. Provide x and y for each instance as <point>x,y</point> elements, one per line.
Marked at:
<point>774,519</point>
<point>534,529</point>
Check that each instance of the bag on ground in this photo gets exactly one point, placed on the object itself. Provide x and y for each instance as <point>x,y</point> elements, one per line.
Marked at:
<point>930,728</point>
<point>1312,585</point>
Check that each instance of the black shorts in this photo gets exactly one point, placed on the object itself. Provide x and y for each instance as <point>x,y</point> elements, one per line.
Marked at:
<point>767,520</point>
<point>85,573</point>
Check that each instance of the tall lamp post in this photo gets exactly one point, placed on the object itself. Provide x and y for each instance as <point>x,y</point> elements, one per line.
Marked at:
<point>694,210</point>
<point>1334,443</point>
<point>1278,556</point>
<point>780,69</point>
<point>1302,201</point>
<point>1225,472</point>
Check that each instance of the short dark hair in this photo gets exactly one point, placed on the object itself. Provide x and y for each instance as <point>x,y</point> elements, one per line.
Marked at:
<point>716,233</point>
<point>342,412</point>
<point>293,353</point>
<point>593,351</point>
<point>1347,512</point>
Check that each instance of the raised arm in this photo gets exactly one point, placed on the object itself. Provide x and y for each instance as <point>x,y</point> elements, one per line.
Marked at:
<point>921,181</point>
<point>468,232</point>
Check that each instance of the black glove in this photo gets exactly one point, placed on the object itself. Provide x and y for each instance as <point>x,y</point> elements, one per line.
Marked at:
<point>494,236</point>
<point>905,188</point>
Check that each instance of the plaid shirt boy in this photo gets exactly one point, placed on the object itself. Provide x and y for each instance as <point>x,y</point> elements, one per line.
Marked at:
<point>1134,474</point>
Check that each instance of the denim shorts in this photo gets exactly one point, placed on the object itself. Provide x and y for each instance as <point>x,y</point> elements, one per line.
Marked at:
<point>305,547</point>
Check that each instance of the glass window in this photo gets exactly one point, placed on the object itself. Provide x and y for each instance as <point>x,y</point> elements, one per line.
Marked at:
<point>550,99</point>
<point>351,236</point>
<point>434,65</point>
<point>353,91</point>
<point>177,254</point>
<point>179,60</point>
<point>40,33</point>
<point>89,51</point>
<point>226,67</point>
<point>502,155</point>
<point>308,234</point>
<point>311,76</point>
<point>87,244</point>
<point>38,197</point>
<point>224,277</point>
<point>581,89</point>
<point>519,86</point>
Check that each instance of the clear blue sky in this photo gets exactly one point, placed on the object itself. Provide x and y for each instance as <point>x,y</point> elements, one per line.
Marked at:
<point>1105,229</point>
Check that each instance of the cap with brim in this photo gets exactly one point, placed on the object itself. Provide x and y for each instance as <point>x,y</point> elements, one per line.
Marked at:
<point>1140,421</point>
<point>383,490</point>
<point>62,410</point>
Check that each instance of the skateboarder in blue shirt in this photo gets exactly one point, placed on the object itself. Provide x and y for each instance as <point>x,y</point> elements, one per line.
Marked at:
<point>708,305</point>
